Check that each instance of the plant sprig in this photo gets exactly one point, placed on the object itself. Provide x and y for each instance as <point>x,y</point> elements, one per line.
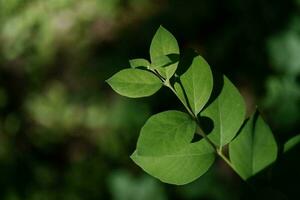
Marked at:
<point>165,149</point>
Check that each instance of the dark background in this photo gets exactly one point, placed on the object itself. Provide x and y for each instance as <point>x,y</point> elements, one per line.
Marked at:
<point>64,134</point>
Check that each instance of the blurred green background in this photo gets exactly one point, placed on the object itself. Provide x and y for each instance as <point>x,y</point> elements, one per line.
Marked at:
<point>64,134</point>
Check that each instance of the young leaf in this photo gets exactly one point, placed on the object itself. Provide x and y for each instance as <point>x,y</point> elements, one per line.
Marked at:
<point>135,83</point>
<point>254,148</point>
<point>227,112</point>
<point>291,143</point>
<point>165,151</point>
<point>164,44</point>
<point>197,84</point>
<point>139,62</point>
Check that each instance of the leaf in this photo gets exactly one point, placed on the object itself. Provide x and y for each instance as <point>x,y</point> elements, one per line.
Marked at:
<point>180,93</point>
<point>172,128</point>
<point>139,62</point>
<point>227,112</point>
<point>164,149</point>
<point>166,65</point>
<point>165,61</point>
<point>163,44</point>
<point>135,83</point>
<point>197,82</point>
<point>254,148</point>
<point>291,143</point>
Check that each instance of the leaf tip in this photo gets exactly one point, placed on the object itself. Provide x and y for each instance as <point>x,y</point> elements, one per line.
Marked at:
<point>108,81</point>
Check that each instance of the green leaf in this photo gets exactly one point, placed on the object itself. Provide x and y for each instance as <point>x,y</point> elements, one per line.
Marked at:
<point>166,65</point>
<point>227,112</point>
<point>164,149</point>
<point>197,82</point>
<point>291,143</point>
<point>172,128</point>
<point>254,148</point>
<point>135,83</point>
<point>165,61</point>
<point>180,93</point>
<point>139,62</point>
<point>164,44</point>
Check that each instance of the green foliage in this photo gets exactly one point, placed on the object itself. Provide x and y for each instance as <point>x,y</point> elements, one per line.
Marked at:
<point>228,107</point>
<point>135,83</point>
<point>284,84</point>
<point>164,44</point>
<point>139,62</point>
<point>26,21</point>
<point>196,84</point>
<point>292,142</point>
<point>62,131</point>
<point>165,148</point>
<point>254,148</point>
<point>124,186</point>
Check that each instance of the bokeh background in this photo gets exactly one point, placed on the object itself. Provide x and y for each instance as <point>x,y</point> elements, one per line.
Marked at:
<point>64,134</point>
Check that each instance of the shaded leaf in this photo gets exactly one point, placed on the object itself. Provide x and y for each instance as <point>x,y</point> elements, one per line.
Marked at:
<point>291,143</point>
<point>139,62</point>
<point>227,112</point>
<point>165,61</point>
<point>135,83</point>
<point>165,151</point>
<point>166,65</point>
<point>197,82</point>
<point>254,148</point>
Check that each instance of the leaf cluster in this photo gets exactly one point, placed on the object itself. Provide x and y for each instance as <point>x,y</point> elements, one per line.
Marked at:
<point>215,111</point>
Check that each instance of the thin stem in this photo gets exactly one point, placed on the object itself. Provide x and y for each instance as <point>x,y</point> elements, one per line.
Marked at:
<point>225,159</point>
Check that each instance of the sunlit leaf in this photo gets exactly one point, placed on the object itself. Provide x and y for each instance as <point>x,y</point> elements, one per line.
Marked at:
<point>227,112</point>
<point>254,148</point>
<point>165,151</point>
<point>135,83</point>
<point>197,84</point>
<point>164,44</point>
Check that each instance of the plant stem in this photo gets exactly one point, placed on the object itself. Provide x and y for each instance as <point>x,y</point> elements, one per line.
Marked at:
<point>225,159</point>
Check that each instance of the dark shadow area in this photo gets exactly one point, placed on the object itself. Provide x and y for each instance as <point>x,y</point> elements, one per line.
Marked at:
<point>207,124</point>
